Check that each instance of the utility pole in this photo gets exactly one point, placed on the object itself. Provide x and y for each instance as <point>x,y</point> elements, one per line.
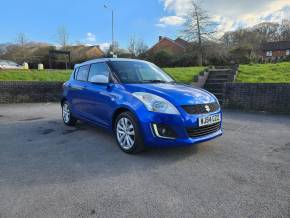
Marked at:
<point>105,6</point>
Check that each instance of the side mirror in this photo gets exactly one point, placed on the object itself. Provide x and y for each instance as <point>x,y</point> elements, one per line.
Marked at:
<point>100,79</point>
<point>110,86</point>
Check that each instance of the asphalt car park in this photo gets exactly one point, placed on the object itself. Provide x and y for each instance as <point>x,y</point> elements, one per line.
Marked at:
<point>50,170</point>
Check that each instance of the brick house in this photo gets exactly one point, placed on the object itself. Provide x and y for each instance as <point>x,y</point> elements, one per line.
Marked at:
<point>82,52</point>
<point>276,50</point>
<point>175,47</point>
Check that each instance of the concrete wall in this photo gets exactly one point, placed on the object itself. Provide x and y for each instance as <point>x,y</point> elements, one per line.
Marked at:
<point>26,92</point>
<point>268,97</point>
<point>200,79</point>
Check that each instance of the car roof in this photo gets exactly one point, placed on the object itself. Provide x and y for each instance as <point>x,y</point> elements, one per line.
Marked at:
<point>106,60</point>
<point>7,62</point>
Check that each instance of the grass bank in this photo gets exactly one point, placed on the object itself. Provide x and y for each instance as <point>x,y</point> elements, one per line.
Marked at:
<point>35,75</point>
<point>182,74</point>
<point>264,73</point>
<point>253,73</point>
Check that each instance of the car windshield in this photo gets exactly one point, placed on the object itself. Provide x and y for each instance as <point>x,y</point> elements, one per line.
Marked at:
<point>139,72</point>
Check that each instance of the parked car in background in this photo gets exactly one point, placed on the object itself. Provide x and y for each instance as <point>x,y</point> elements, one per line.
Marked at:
<point>141,104</point>
<point>4,64</point>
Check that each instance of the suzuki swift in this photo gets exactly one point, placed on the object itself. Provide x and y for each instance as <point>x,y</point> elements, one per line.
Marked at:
<point>140,103</point>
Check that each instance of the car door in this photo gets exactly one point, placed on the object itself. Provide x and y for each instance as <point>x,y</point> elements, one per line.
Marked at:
<point>77,89</point>
<point>98,103</point>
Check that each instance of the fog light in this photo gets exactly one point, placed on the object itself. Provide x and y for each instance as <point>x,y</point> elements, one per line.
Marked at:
<point>163,131</point>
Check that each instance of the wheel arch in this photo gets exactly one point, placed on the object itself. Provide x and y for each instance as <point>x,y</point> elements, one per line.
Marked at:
<point>117,112</point>
<point>63,99</point>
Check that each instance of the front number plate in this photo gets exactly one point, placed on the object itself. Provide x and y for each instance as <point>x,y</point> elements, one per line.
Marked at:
<point>208,120</point>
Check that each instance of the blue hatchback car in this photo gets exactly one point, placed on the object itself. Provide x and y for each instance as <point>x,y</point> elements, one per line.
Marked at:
<point>140,103</point>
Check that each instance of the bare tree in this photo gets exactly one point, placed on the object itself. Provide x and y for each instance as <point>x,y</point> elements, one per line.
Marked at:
<point>132,46</point>
<point>63,40</point>
<point>63,36</point>
<point>285,30</point>
<point>137,47</point>
<point>198,26</point>
<point>22,41</point>
<point>268,31</point>
<point>113,50</point>
<point>254,36</point>
<point>141,47</point>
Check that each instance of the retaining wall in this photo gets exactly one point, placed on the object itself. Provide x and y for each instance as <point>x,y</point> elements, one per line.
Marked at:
<point>269,97</point>
<point>28,92</point>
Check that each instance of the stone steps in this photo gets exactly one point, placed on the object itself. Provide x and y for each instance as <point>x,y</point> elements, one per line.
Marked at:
<point>216,79</point>
<point>220,76</point>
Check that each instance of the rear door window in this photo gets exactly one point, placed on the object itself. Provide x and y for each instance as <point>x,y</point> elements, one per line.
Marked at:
<point>82,73</point>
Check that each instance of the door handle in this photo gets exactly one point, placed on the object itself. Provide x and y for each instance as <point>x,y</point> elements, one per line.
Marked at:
<point>77,87</point>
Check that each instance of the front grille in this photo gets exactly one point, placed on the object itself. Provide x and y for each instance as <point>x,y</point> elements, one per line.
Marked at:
<point>202,131</point>
<point>201,108</point>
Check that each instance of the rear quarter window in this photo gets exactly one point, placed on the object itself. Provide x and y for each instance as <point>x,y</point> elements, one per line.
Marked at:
<point>75,73</point>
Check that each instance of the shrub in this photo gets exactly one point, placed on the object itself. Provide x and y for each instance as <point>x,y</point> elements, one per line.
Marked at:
<point>162,58</point>
<point>185,60</point>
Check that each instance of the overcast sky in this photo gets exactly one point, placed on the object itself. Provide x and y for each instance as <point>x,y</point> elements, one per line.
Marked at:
<point>229,14</point>
<point>89,22</point>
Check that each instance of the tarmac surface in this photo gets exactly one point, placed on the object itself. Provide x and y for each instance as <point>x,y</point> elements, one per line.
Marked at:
<point>50,170</point>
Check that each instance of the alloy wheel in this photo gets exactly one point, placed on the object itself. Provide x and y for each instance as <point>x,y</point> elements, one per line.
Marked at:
<point>125,133</point>
<point>66,113</point>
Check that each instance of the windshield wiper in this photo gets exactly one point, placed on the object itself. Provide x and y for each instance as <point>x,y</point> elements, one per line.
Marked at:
<point>154,81</point>
<point>179,83</point>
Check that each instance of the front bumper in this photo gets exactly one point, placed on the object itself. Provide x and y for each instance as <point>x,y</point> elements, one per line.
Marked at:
<point>178,123</point>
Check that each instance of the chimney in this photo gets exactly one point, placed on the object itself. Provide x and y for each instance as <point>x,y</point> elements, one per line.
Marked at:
<point>160,38</point>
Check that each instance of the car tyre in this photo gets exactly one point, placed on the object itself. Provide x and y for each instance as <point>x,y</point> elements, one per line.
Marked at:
<point>127,133</point>
<point>67,116</point>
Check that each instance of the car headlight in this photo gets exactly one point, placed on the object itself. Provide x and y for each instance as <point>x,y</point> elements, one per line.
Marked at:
<point>155,103</point>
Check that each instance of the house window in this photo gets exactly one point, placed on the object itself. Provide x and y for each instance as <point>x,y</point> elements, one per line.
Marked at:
<point>269,53</point>
<point>287,52</point>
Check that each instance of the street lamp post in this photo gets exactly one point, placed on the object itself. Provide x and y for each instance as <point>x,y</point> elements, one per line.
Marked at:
<point>105,6</point>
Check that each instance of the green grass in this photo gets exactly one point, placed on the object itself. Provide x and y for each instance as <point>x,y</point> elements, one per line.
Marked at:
<point>184,74</point>
<point>253,73</point>
<point>264,73</point>
<point>35,75</point>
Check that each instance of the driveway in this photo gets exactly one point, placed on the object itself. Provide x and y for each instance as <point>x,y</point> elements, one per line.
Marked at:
<point>49,170</point>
